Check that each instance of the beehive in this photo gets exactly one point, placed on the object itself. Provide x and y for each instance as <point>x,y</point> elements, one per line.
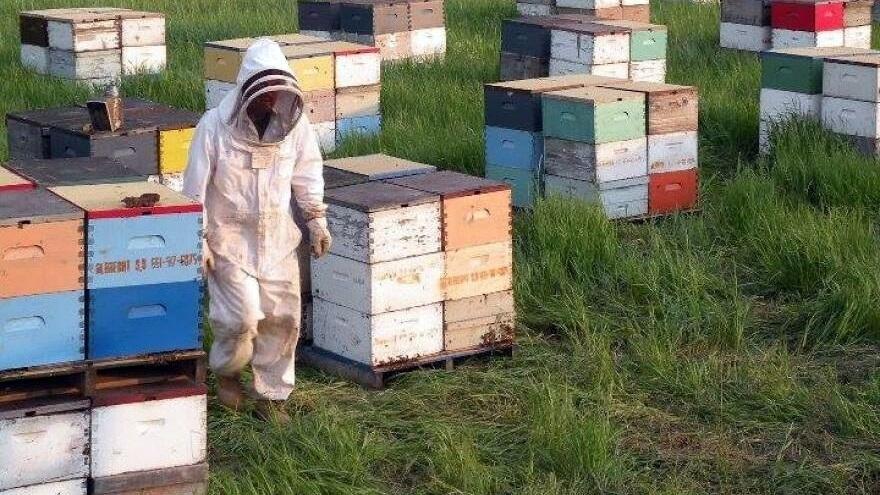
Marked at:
<point>668,107</point>
<point>594,115</point>
<point>378,166</point>
<point>42,329</point>
<point>45,452</point>
<point>474,211</point>
<point>477,321</point>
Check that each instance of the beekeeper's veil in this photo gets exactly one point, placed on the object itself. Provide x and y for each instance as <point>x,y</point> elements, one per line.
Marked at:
<point>265,80</point>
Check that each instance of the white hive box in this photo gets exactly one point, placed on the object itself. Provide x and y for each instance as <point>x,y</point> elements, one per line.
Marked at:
<point>852,117</point>
<point>855,77</point>
<point>857,37</point>
<point>596,45</point>
<point>526,8</point>
<point>35,58</point>
<point>378,339</point>
<point>648,71</point>
<point>142,28</point>
<point>620,199</point>
<point>356,65</point>
<point>143,59</point>
<point>784,38</point>
<point>777,104</point>
<point>602,162</point>
<point>672,152</point>
<point>98,66</point>
<point>566,68</point>
<point>48,447</point>
<point>70,487</point>
<point>86,31</point>
<point>746,37</point>
<point>428,42</point>
<point>131,433</point>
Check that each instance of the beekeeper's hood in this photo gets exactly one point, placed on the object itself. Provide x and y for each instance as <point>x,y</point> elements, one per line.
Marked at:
<point>264,79</point>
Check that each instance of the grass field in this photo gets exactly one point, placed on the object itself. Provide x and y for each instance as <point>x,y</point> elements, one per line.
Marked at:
<point>732,352</point>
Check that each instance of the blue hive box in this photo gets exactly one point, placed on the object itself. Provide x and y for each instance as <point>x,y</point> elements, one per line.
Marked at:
<point>513,148</point>
<point>42,329</point>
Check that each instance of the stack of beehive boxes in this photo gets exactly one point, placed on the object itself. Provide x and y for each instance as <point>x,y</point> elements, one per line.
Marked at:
<point>410,246</point>
<point>634,10</point>
<point>341,82</point>
<point>758,25</point>
<point>534,47</point>
<point>400,29</point>
<point>153,142</point>
<point>98,285</point>
<point>851,99</point>
<point>792,85</point>
<point>632,145</point>
<point>95,45</point>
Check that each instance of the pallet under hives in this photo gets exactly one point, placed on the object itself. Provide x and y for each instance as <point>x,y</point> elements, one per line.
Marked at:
<point>420,270</point>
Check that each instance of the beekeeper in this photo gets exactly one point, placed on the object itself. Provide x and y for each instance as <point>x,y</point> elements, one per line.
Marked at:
<point>247,156</point>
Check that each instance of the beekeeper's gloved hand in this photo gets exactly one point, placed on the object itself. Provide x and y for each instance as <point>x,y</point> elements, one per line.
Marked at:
<point>320,236</point>
<point>207,257</point>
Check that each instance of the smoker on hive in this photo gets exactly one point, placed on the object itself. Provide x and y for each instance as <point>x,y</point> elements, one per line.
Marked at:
<point>248,156</point>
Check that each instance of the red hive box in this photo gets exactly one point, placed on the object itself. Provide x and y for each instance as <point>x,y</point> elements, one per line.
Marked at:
<point>672,191</point>
<point>807,16</point>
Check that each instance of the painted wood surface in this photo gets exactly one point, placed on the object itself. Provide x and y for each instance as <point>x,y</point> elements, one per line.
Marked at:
<point>529,9</point>
<point>857,13</point>
<point>378,339</point>
<point>222,64</point>
<point>42,329</point>
<point>143,59</point>
<point>84,36</point>
<point>358,69</point>
<point>648,71</point>
<point>477,321</point>
<point>105,200</point>
<point>40,257</point>
<point>515,67</point>
<point>513,148</point>
<point>594,115</point>
<point>477,270</point>
<point>26,139</point>
<point>673,151</point>
<point>857,36</point>
<point>747,12</point>
<point>136,150</point>
<point>476,219</point>
<point>362,101</point>
<point>326,133</point>
<point>374,18</point>
<point>43,449</point>
<point>35,58</point>
<point>180,480</point>
<point>590,48</point>
<point>70,487</point>
<point>379,287</point>
<point>379,166</point>
<point>776,105</point>
<point>318,16</point>
<point>320,106</point>
<point>144,31</point>
<point>799,69</point>
<point>10,181</point>
<point>670,108</point>
<point>673,191</point>
<point>627,198</point>
<point>559,67</point>
<point>392,46</point>
<point>523,183</point>
<point>745,37</point>
<point>125,437</point>
<point>174,149</point>
<point>101,65</point>
<point>369,125</point>
<point>428,42</point>
<point>481,306</point>
<point>596,162</point>
<point>784,38</point>
<point>588,4</point>
<point>426,14</point>
<point>385,235</point>
<point>858,118</point>
<point>807,16</point>
<point>312,73</point>
<point>33,30</point>
<point>856,78</point>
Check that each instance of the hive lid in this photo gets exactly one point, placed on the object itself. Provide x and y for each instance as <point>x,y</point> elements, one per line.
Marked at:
<point>295,39</point>
<point>595,95</point>
<point>591,28</point>
<point>379,166</point>
<point>866,60</point>
<point>106,200</point>
<point>307,50</point>
<point>346,48</point>
<point>237,44</point>
<point>834,51</point>
<point>555,83</point>
<point>632,25</point>
<point>75,171</point>
<point>545,21</point>
<point>371,197</point>
<point>149,392</point>
<point>42,407</point>
<point>334,177</point>
<point>162,118</point>
<point>36,206</point>
<point>10,181</point>
<point>449,184</point>
<point>646,87</point>
<point>50,116</point>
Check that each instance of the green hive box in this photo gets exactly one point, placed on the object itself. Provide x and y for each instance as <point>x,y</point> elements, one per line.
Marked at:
<point>523,183</point>
<point>799,69</point>
<point>594,115</point>
<point>646,42</point>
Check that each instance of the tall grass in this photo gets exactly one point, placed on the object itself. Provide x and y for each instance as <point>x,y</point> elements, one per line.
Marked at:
<point>732,351</point>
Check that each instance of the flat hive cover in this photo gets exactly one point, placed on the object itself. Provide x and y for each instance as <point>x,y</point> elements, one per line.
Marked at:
<point>379,166</point>
<point>450,184</point>
<point>378,196</point>
<point>38,205</point>
<point>106,200</point>
<point>554,83</point>
<point>74,171</point>
<point>595,95</point>
<point>817,52</point>
<point>51,116</point>
<point>10,180</point>
<point>333,178</point>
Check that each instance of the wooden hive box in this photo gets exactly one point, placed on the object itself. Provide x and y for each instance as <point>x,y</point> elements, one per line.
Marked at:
<point>479,321</point>
<point>587,4</point>
<point>374,17</point>
<point>376,222</point>
<point>515,66</point>
<point>378,166</point>
<point>100,67</point>
<point>747,12</point>
<point>334,177</point>
<point>41,237</point>
<point>851,117</point>
<point>44,443</point>
<point>181,480</point>
<point>672,152</point>
<point>523,183</point>
<point>42,329</point>
<point>312,64</point>
<point>810,16</point>
<point>33,29</point>
<point>594,115</point>
<point>356,64</point>
<point>668,107</point>
<point>513,148</point>
<point>530,35</point>
<point>620,199</point>
<point>140,245</point>
<point>745,37</point>
<point>75,171</point>
<point>784,38</point>
<point>70,487</point>
<point>474,210</point>
<point>478,270</point>
<point>134,147</point>
<point>175,128</point>
<point>429,42</point>
<point>855,77</point>
<point>362,101</point>
<point>647,41</point>
<point>10,181</point>
<point>857,13</point>
<point>857,36</point>
<point>426,14</point>
<point>602,162</point>
<point>223,58</point>
<point>83,30</point>
<point>799,69</point>
<point>378,339</point>
<point>28,133</point>
<point>673,191</point>
<point>536,7</point>
<point>138,28</point>
<point>320,106</point>
<point>591,44</point>
<point>321,17</point>
<point>128,425</point>
<point>517,104</point>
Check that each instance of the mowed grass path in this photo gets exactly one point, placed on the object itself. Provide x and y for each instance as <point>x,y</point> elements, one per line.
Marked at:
<point>731,352</point>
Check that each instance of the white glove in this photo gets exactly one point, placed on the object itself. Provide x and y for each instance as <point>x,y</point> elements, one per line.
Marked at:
<point>207,257</point>
<point>319,236</point>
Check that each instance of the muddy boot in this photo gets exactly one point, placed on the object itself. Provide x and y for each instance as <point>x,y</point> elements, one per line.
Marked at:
<point>272,411</point>
<point>230,392</point>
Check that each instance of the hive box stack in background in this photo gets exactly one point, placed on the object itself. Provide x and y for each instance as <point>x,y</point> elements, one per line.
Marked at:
<point>810,24</point>
<point>478,307</point>
<point>153,142</point>
<point>41,276</point>
<point>791,85</point>
<point>633,10</point>
<point>95,45</point>
<point>399,29</point>
<point>851,99</point>
<point>409,242</point>
<point>143,273</point>
<point>857,23</point>
<point>745,25</point>
<point>533,47</point>
<point>341,82</point>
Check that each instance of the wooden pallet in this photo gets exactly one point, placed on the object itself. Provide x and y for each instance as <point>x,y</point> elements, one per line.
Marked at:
<point>654,216</point>
<point>170,481</point>
<point>377,377</point>
<point>82,379</point>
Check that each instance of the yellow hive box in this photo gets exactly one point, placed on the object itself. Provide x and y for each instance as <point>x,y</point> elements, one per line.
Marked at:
<point>223,58</point>
<point>174,149</point>
<point>313,65</point>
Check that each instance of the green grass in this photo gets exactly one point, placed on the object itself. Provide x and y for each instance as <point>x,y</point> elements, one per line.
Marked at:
<point>731,352</point>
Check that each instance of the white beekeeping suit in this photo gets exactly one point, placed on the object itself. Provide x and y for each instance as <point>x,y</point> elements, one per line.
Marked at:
<point>246,158</point>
